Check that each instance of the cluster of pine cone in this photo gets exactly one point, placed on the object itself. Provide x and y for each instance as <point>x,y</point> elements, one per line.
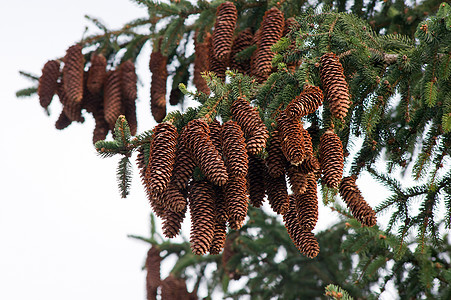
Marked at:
<point>171,288</point>
<point>105,94</point>
<point>233,174</point>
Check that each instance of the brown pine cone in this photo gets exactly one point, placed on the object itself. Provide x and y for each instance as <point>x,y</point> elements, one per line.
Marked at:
<point>62,122</point>
<point>297,179</point>
<point>292,138</point>
<point>71,109</point>
<point>153,280</point>
<point>277,193</point>
<point>331,158</point>
<point>256,181</point>
<point>175,289</point>
<point>129,80</point>
<point>174,199</point>
<point>215,134</point>
<point>164,145</point>
<point>172,222</point>
<point>184,163</point>
<point>306,103</point>
<point>219,237</point>
<point>241,42</point>
<point>236,200</point>
<point>101,128</point>
<point>252,125</point>
<point>307,205</point>
<point>201,204</point>
<point>201,62</point>
<point>276,161</point>
<point>335,85</point>
<point>271,31</point>
<point>309,165</point>
<point>74,63</point>
<point>157,66</point>
<point>355,202</point>
<point>289,24</point>
<point>226,15</point>
<point>220,205</point>
<point>97,73</point>
<point>304,240</point>
<point>215,65</point>
<point>234,149</point>
<point>93,103</point>
<point>204,152</point>
<point>48,82</point>
<point>112,100</point>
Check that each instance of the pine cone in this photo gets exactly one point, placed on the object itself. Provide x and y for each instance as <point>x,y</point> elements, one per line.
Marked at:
<point>101,128</point>
<point>112,101</point>
<point>304,240</point>
<point>236,200</point>
<point>48,82</point>
<point>129,93</point>
<point>226,15</point>
<point>174,199</point>
<point>201,62</point>
<point>355,202</point>
<point>307,205</point>
<point>253,127</point>
<point>157,66</point>
<point>204,152</point>
<point>335,86</point>
<point>234,149</point>
<point>289,24</point>
<point>62,122</point>
<point>172,222</point>
<point>216,66</point>
<point>241,42</point>
<point>74,63</point>
<point>292,138</point>
<point>256,181</point>
<point>220,205</point>
<point>331,158</point>
<point>97,73</point>
<point>271,31</point>
<point>71,109</point>
<point>215,134</point>
<point>297,179</point>
<point>219,237</point>
<point>276,161</point>
<point>306,103</point>
<point>175,289</point>
<point>184,164</point>
<point>153,279</point>
<point>201,204</point>
<point>277,193</point>
<point>162,160</point>
<point>309,165</point>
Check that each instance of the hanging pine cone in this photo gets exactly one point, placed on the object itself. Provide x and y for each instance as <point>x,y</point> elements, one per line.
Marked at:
<point>112,101</point>
<point>252,125</point>
<point>309,165</point>
<point>307,205</point>
<point>292,138</point>
<point>216,66</point>
<point>129,80</point>
<point>215,134</point>
<point>48,82</point>
<point>220,205</point>
<point>271,31</point>
<point>97,73</point>
<point>331,158</point>
<point>236,200</point>
<point>157,66</point>
<point>174,199</point>
<point>241,42</point>
<point>256,181</point>
<point>184,163</point>
<point>226,15</point>
<point>276,161</point>
<point>306,103</point>
<point>304,240</point>
<point>162,155</point>
<point>71,109</point>
<point>201,204</point>
<point>101,128</point>
<point>201,62</point>
<point>172,222</point>
<point>297,179</point>
<point>153,280</point>
<point>74,63</point>
<point>234,149</point>
<point>62,122</point>
<point>355,202</point>
<point>204,152</point>
<point>335,86</point>
<point>219,237</point>
<point>277,193</point>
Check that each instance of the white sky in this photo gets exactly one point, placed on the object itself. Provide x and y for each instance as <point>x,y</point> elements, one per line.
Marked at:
<point>63,226</point>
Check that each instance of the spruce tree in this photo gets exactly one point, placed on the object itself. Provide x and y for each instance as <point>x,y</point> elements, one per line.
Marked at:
<point>290,96</point>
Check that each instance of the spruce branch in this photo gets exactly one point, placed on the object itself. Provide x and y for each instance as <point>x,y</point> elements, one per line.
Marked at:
<point>124,176</point>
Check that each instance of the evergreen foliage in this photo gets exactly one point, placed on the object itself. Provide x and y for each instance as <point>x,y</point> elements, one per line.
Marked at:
<point>384,67</point>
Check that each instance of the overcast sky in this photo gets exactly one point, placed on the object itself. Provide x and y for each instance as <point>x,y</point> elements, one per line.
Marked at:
<point>63,226</point>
